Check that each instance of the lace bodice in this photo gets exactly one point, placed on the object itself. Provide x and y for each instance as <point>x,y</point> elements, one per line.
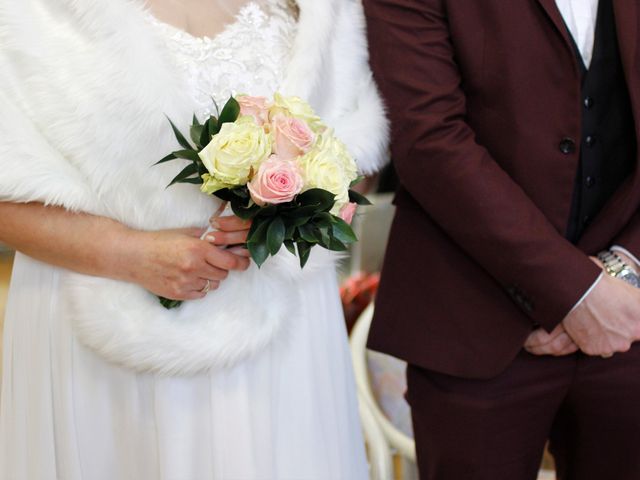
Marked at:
<point>248,56</point>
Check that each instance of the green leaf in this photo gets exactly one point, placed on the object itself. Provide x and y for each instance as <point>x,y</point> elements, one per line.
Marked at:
<point>168,303</point>
<point>205,135</point>
<point>181,140</point>
<point>194,181</point>
<point>195,121</point>
<point>290,246</point>
<point>356,197</point>
<point>356,181</point>
<point>225,194</point>
<point>196,134</point>
<point>244,212</point>
<point>307,233</point>
<point>304,249</point>
<point>256,241</point>
<point>214,127</point>
<point>259,252</point>
<point>275,235</point>
<point>230,111</point>
<point>184,174</point>
<point>318,197</point>
<point>323,219</point>
<point>171,156</point>
<point>337,246</point>
<point>303,212</point>
<point>343,232</point>
<point>325,236</point>
<point>187,155</point>
<point>297,221</point>
<point>268,211</point>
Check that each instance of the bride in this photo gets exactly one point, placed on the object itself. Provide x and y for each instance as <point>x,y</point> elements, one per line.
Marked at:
<point>250,378</point>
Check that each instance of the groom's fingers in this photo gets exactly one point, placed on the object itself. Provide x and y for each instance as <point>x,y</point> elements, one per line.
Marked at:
<point>561,345</point>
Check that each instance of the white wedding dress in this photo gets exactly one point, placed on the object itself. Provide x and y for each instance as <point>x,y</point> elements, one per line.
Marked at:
<point>288,413</point>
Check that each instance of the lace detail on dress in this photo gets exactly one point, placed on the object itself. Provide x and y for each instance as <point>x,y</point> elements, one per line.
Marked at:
<point>248,56</point>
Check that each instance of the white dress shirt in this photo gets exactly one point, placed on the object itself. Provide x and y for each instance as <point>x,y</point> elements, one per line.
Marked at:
<point>580,17</point>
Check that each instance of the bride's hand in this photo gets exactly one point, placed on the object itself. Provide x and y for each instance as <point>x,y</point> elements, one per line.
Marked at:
<point>230,232</point>
<point>176,264</point>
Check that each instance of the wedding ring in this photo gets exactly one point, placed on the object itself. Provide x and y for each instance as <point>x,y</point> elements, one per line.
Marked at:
<point>207,287</point>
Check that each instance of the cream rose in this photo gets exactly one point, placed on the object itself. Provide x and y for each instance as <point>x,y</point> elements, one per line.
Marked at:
<point>234,153</point>
<point>256,107</point>
<point>329,166</point>
<point>277,181</point>
<point>298,108</point>
<point>292,137</point>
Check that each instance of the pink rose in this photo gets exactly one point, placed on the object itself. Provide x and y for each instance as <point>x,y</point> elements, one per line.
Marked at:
<point>256,107</point>
<point>292,137</point>
<point>348,211</point>
<point>277,181</point>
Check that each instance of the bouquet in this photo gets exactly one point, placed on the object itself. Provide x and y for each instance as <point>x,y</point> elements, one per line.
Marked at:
<point>277,164</point>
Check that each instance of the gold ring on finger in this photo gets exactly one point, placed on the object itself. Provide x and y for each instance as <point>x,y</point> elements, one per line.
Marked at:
<point>207,287</point>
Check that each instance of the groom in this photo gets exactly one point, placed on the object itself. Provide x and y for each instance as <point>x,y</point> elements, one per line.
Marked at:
<point>515,124</point>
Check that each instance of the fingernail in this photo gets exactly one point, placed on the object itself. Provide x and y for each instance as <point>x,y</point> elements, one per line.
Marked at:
<point>214,223</point>
<point>210,238</point>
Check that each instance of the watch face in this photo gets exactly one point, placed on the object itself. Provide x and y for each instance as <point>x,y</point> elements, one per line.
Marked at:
<point>631,278</point>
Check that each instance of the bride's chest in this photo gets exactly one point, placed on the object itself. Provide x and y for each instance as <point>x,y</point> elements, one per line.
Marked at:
<point>249,56</point>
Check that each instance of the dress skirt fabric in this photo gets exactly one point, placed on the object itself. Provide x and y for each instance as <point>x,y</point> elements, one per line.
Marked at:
<point>65,413</point>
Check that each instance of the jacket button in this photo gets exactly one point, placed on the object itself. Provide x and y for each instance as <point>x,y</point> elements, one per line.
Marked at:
<point>588,102</point>
<point>590,181</point>
<point>567,145</point>
<point>590,141</point>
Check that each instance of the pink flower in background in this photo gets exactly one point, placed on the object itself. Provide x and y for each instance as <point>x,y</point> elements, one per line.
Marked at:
<point>292,137</point>
<point>277,181</point>
<point>257,107</point>
<point>348,211</point>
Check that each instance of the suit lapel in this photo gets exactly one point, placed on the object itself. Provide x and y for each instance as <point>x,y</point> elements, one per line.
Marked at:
<point>555,16</point>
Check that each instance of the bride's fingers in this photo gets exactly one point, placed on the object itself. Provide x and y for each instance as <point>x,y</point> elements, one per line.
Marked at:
<point>227,238</point>
<point>230,223</point>
<point>240,251</point>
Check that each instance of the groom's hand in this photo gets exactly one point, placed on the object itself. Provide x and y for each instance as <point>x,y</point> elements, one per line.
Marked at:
<point>557,343</point>
<point>608,319</point>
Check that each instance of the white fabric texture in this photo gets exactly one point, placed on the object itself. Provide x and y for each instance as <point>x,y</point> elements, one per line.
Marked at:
<point>580,17</point>
<point>286,408</point>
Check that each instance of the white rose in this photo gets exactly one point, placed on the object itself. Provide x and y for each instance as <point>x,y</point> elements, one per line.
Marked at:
<point>235,153</point>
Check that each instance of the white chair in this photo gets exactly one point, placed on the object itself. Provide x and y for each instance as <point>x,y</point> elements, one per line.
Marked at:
<point>395,441</point>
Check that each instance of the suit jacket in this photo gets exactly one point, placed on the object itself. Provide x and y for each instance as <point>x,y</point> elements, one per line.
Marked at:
<point>485,102</point>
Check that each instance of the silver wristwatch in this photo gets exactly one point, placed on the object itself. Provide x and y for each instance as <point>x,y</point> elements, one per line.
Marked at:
<point>616,267</point>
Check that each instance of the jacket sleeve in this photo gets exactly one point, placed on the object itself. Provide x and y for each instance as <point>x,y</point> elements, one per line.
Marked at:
<point>629,237</point>
<point>453,178</point>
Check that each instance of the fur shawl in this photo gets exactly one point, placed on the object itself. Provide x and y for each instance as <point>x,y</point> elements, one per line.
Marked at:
<point>84,90</point>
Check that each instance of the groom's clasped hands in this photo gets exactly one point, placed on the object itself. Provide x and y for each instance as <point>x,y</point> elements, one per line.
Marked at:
<point>606,322</point>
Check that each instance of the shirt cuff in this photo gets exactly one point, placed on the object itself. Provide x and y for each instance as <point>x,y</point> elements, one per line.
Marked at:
<point>624,251</point>
<point>586,294</point>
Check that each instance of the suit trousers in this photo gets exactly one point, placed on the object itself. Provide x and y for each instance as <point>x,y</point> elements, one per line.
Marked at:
<point>496,429</point>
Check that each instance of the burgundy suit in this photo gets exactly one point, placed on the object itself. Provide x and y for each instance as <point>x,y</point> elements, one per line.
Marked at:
<point>485,102</point>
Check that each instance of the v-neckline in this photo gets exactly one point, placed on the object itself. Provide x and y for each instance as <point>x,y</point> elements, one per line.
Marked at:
<point>204,38</point>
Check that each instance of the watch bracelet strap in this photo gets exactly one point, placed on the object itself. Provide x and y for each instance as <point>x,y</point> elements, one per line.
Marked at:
<point>613,264</point>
